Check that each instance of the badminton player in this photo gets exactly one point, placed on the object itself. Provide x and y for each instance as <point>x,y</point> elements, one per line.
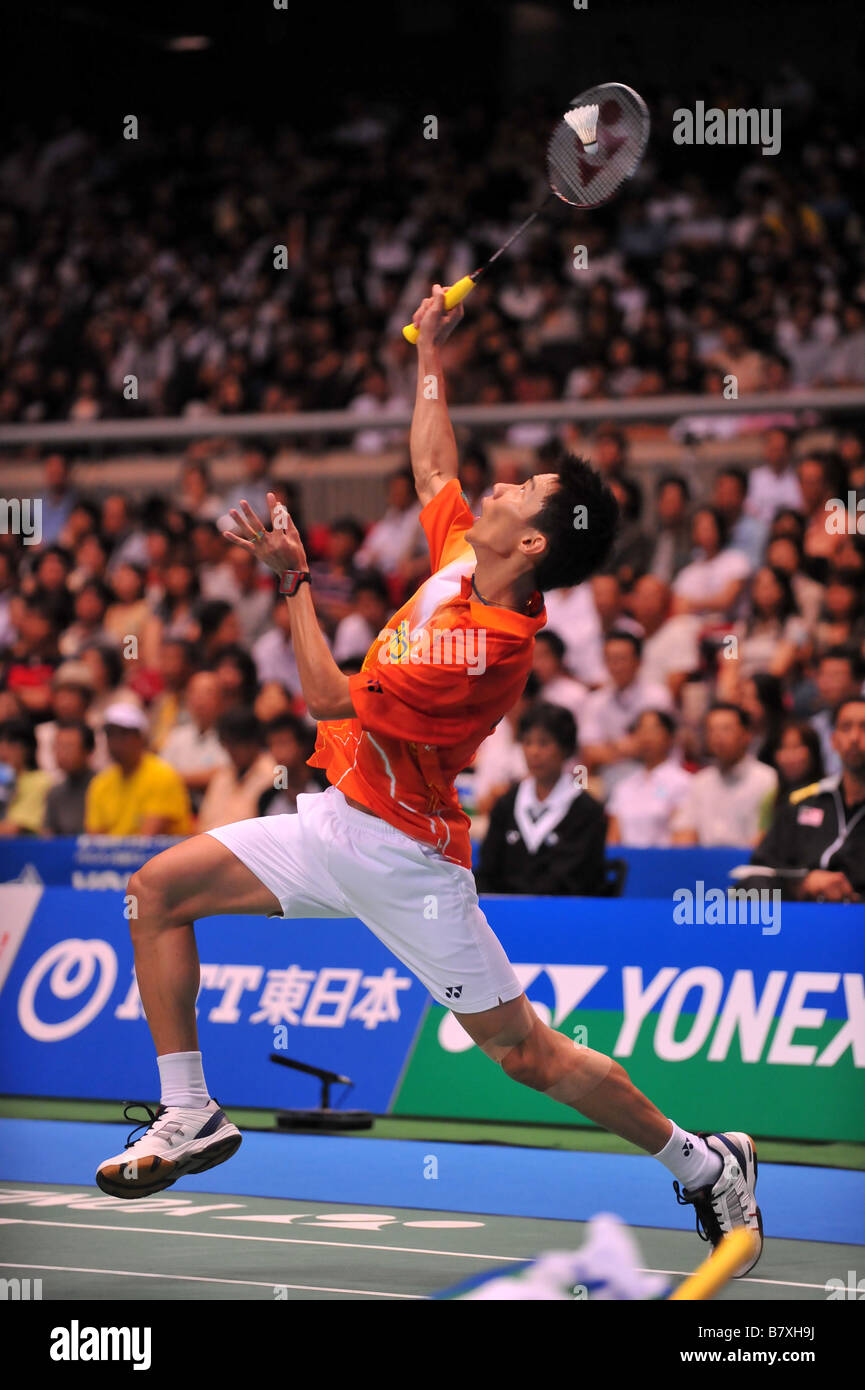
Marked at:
<point>388,838</point>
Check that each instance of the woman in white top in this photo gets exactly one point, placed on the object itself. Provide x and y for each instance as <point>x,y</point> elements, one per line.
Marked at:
<point>641,807</point>
<point>712,583</point>
<point>772,639</point>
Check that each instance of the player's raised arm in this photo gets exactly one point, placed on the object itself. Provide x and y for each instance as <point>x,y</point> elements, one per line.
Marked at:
<point>432,443</point>
<point>325,688</point>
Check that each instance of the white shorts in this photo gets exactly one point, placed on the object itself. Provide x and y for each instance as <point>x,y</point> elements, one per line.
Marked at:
<point>331,860</point>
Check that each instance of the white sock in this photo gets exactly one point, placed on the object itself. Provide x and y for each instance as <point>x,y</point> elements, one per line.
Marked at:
<point>182,1078</point>
<point>690,1159</point>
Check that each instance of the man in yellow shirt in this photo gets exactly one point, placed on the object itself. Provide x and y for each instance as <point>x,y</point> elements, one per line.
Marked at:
<point>138,794</point>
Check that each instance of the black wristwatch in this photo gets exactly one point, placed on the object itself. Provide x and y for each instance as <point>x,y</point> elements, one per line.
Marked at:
<point>291,580</point>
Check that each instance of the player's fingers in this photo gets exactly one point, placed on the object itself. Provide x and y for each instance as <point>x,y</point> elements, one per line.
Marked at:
<point>238,540</point>
<point>253,520</point>
<point>420,312</point>
<point>241,523</point>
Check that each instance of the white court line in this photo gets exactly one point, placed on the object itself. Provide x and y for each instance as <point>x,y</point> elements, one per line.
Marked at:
<point>206,1279</point>
<point>353,1245</point>
<point>270,1240</point>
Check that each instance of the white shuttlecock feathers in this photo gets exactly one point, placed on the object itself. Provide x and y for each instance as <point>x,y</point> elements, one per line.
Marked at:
<point>584,120</point>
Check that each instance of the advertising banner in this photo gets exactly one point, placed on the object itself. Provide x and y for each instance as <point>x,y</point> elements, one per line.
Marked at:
<point>755,1026</point>
<point>324,992</point>
<point>746,1024</point>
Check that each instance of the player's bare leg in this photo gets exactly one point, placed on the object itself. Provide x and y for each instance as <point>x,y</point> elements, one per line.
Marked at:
<point>540,1057</point>
<point>197,878</point>
<point>718,1171</point>
<point>189,1132</point>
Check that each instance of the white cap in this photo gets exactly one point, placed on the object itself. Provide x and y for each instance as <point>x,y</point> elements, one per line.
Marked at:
<point>122,716</point>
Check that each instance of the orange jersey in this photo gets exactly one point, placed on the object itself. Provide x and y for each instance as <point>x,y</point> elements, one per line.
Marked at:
<point>433,685</point>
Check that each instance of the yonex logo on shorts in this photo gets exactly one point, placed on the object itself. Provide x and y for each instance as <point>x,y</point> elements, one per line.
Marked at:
<point>453,991</point>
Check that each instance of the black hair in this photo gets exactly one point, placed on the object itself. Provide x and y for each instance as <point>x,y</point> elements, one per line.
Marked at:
<point>720,522</point>
<point>553,641</point>
<point>795,541</point>
<point>373,583</point>
<point>211,616</point>
<point>99,586</point>
<point>21,731</point>
<point>781,514</point>
<point>634,495</point>
<point>190,649</point>
<point>662,715</point>
<point>244,663</point>
<point>621,634</point>
<point>88,740</point>
<point>789,606</point>
<point>60,551</point>
<point>111,660</point>
<point>727,706</point>
<point>304,735</point>
<point>238,726</point>
<point>555,720</point>
<point>673,480</point>
<point>573,553</point>
<point>731,471</point>
<point>842,704</point>
<point>811,739</point>
<point>842,653</point>
<point>349,526</point>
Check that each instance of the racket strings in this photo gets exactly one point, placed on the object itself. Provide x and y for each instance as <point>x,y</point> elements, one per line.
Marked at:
<point>622,132</point>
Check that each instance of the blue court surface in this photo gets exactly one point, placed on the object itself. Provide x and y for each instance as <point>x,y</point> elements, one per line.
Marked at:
<point>798,1202</point>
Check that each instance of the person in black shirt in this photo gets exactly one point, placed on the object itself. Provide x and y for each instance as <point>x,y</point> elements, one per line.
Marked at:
<point>546,835</point>
<point>821,828</point>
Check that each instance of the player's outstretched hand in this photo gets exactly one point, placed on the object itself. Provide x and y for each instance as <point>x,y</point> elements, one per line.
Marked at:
<point>433,322</point>
<point>280,549</point>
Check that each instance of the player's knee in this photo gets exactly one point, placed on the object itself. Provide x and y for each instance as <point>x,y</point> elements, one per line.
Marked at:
<point>148,900</point>
<point>526,1061</point>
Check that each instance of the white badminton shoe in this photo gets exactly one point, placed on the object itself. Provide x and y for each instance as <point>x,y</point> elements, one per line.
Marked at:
<point>176,1141</point>
<point>730,1201</point>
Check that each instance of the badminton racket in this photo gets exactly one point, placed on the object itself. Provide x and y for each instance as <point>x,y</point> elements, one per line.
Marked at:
<point>594,148</point>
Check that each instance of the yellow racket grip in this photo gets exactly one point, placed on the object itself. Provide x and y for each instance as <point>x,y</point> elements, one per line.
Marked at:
<point>455,295</point>
<point>720,1267</point>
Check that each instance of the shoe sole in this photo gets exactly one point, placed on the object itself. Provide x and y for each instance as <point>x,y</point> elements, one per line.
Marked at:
<point>757,1212</point>
<point>196,1163</point>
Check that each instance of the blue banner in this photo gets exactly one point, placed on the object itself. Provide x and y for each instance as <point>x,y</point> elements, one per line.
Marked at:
<point>324,992</point>
<point>106,862</point>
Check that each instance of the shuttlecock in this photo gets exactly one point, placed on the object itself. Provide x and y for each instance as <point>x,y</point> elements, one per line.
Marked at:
<point>584,120</point>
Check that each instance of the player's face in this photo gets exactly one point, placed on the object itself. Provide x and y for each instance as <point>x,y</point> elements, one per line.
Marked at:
<point>507,516</point>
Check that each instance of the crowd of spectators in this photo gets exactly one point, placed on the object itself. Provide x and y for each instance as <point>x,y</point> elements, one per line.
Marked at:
<point>158,259</point>
<point>148,683</point>
<point>147,678</point>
